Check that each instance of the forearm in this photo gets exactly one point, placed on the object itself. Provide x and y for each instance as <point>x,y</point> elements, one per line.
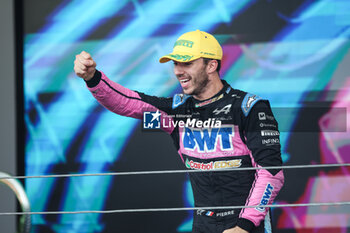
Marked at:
<point>117,98</point>
<point>262,137</point>
<point>264,190</point>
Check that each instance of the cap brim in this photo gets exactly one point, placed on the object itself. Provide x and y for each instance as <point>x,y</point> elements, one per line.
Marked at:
<point>178,58</point>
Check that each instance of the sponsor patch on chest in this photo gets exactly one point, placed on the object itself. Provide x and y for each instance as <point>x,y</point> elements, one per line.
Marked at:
<point>206,140</point>
<point>213,164</point>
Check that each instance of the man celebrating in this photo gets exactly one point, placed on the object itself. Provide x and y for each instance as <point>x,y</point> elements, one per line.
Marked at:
<point>247,135</point>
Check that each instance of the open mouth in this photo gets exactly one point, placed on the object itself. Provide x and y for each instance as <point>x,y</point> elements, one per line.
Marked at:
<point>183,81</point>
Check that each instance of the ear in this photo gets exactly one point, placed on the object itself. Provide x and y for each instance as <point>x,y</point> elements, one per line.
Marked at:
<point>212,65</point>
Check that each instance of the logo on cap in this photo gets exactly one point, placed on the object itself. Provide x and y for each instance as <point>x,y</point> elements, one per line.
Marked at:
<point>185,43</point>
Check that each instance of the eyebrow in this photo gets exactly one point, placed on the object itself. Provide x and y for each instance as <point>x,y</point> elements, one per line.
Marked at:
<point>176,62</point>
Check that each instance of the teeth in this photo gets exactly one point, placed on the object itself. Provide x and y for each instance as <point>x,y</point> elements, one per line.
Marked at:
<point>184,80</point>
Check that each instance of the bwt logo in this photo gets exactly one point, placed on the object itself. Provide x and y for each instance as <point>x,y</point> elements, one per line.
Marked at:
<point>205,140</point>
<point>151,120</point>
<point>266,197</point>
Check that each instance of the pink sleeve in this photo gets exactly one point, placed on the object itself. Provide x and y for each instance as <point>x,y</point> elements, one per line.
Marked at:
<point>118,99</point>
<point>121,100</point>
<point>264,190</point>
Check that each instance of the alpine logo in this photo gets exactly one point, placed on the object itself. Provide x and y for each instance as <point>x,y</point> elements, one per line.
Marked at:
<point>265,198</point>
<point>225,110</point>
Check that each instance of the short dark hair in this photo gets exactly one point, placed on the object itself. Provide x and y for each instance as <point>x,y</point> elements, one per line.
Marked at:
<point>206,61</point>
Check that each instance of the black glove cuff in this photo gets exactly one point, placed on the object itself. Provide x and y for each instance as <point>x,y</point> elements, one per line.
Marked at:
<point>95,79</point>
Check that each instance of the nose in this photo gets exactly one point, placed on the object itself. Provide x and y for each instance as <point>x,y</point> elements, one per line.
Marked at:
<point>178,70</point>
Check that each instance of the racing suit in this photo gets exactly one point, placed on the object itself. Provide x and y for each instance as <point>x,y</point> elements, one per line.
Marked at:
<point>232,129</point>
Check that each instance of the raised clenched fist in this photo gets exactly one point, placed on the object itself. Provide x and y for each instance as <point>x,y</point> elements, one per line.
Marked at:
<point>84,66</point>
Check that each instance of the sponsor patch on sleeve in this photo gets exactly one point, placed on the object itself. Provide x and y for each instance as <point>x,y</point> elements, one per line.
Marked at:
<point>265,198</point>
<point>179,99</point>
<point>248,102</point>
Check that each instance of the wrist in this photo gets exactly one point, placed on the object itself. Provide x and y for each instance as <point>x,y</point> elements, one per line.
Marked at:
<point>90,76</point>
<point>94,80</point>
<point>245,224</point>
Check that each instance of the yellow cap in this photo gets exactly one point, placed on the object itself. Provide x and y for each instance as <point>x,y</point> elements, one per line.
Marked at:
<point>193,45</point>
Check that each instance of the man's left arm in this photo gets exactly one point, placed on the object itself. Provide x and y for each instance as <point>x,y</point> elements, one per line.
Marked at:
<point>262,138</point>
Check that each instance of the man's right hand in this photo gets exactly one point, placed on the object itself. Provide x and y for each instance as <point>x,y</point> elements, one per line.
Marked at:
<point>84,66</point>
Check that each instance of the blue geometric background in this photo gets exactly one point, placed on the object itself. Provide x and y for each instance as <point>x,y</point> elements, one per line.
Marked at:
<point>291,56</point>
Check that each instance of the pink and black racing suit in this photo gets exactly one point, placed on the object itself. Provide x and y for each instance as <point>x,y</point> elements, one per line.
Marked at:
<point>247,136</point>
